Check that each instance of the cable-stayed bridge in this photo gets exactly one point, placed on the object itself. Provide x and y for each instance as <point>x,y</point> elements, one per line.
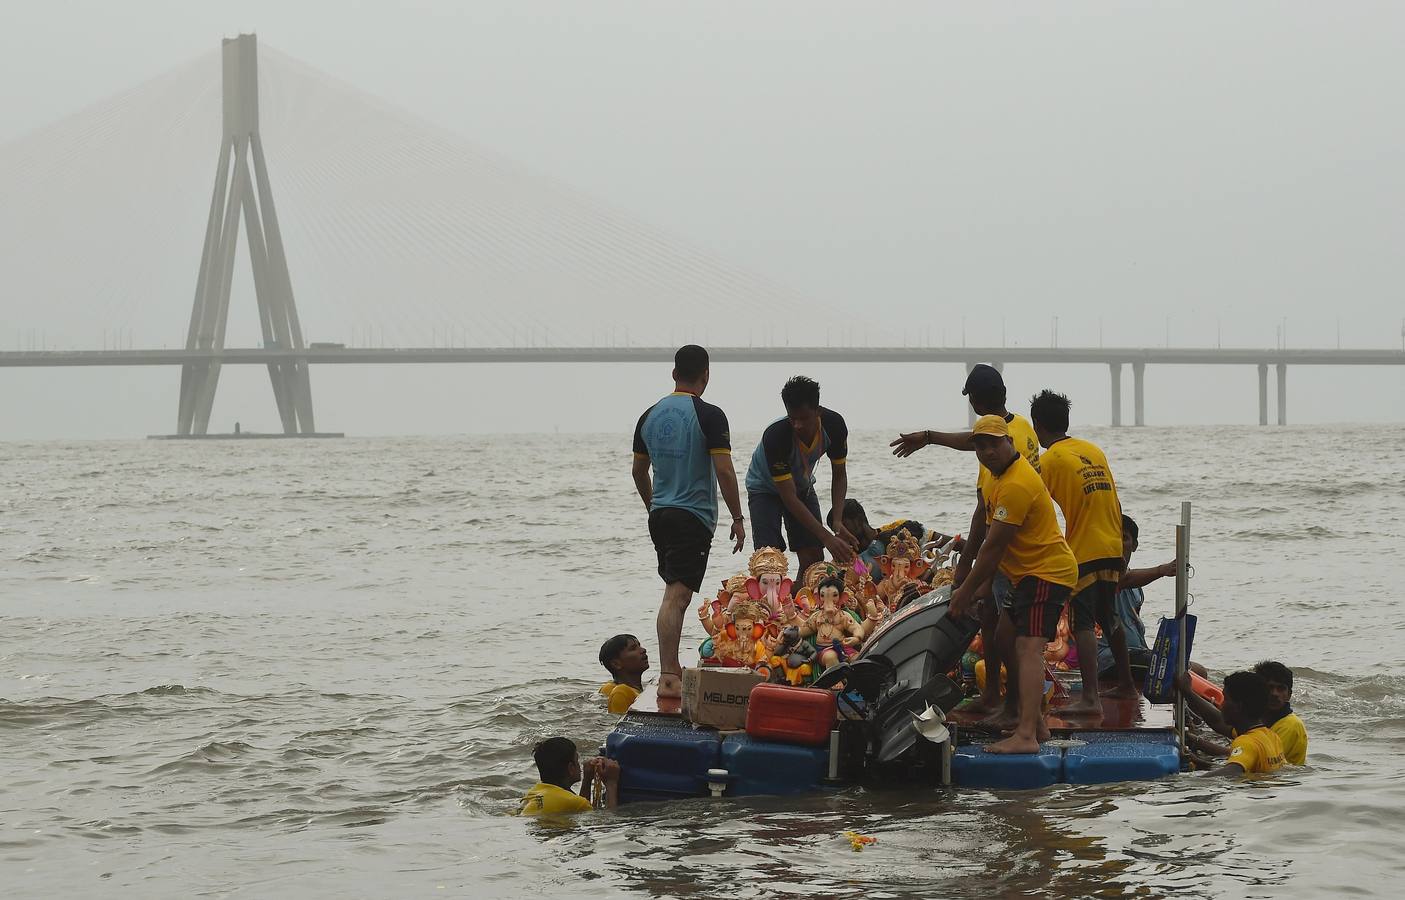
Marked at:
<point>359,218</point>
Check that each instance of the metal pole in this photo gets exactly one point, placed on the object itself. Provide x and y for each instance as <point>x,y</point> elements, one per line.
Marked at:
<point>1182,598</point>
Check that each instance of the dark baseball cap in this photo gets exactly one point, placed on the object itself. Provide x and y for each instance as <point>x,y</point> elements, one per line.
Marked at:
<point>983,378</point>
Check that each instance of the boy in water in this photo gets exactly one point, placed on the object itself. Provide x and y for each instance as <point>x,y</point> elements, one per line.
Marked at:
<point>626,660</point>
<point>1280,716</point>
<point>559,765</point>
<point>1255,748</point>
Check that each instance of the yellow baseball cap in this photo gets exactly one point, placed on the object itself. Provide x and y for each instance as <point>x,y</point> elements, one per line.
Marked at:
<point>994,426</point>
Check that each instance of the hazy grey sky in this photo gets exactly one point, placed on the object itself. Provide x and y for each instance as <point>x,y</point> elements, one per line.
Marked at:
<point>1203,170</point>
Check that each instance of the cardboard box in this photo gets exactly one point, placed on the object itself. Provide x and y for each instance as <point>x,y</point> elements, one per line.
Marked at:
<point>718,696</point>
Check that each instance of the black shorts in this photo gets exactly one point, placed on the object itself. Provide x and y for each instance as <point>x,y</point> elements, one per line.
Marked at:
<point>682,542</point>
<point>1095,592</point>
<point>768,512</point>
<point>1035,606</point>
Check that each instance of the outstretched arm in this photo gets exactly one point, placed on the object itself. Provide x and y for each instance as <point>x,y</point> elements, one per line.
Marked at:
<point>1203,708</point>
<point>1135,578</point>
<point>909,443</point>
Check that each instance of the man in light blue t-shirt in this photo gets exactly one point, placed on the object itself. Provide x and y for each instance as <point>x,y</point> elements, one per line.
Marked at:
<point>687,444</point>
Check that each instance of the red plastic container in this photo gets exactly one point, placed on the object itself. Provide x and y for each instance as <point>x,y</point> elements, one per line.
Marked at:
<point>791,715</point>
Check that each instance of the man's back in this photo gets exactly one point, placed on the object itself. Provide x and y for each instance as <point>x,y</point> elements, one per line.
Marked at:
<point>679,435</point>
<point>1256,751</point>
<point>551,800</point>
<point>1080,481</point>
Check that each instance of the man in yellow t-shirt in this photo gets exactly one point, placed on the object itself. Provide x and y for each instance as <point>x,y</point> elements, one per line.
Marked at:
<point>1256,749</point>
<point>1018,536</point>
<point>559,766</point>
<point>626,660</point>
<point>1079,479</point>
<point>985,391</point>
<point>1280,716</point>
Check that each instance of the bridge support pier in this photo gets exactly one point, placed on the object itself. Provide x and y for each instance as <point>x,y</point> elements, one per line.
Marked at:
<point>1263,393</point>
<point>1282,394</point>
<point>1116,371</point>
<point>245,190</point>
<point>1138,393</point>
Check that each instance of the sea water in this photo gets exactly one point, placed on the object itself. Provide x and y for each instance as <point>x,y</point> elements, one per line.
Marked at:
<point>303,669</point>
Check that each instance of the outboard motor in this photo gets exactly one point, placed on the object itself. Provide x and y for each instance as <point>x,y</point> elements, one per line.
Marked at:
<point>902,674</point>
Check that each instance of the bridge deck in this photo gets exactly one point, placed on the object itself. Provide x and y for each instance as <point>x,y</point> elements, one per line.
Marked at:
<point>421,355</point>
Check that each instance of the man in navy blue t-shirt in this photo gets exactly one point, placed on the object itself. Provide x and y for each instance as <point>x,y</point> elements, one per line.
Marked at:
<point>780,483</point>
<point>689,447</point>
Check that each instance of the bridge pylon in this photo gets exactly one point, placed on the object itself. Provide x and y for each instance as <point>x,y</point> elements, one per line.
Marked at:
<point>242,186</point>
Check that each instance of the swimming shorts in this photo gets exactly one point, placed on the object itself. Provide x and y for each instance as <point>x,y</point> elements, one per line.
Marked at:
<point>1035,606</point>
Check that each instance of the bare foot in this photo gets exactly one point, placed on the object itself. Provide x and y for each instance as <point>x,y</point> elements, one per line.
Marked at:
<point>1123,692</point>
<point>1014,744</point>
<point>670,686</point>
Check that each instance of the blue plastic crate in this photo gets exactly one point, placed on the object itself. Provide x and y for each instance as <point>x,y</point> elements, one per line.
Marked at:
<point>1104,761</point>
<point>973,767</point>
<point>766,767</point>
<point>662,758</point>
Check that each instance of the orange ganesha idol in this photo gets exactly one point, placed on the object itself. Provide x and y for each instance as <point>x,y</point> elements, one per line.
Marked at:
<point>713,613</point>
<point>740,642</point>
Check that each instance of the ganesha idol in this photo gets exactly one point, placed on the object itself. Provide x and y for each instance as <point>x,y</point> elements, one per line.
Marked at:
<point>860,596</point>
<point>713,613</point>
<point>834,630</point>
<point>769,583</point>
<point>742,641</point>
<point>902,564</point>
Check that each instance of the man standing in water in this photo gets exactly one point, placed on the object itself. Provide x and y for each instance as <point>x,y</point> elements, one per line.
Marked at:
<point>780,483</point>
<point>1078,478</point>
<point>985,389</point>
<point>1019,536</point>
<point>688,445</point>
